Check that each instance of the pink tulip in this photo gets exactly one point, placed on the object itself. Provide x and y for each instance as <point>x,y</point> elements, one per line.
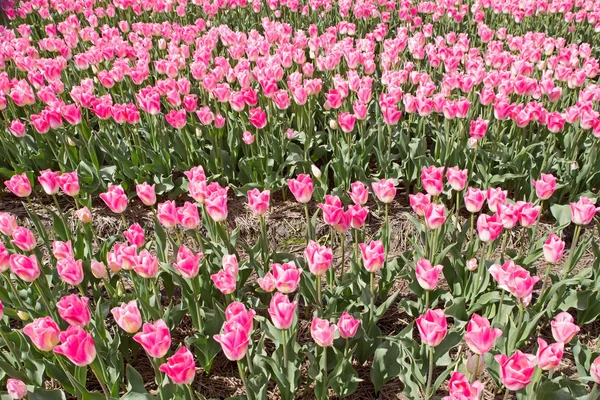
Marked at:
<point>480,336</point>
<point>16,388</point>
<point>501,273</point>
<point>419,202</point>
<point>474,199</point>
<point>77,345</point>
<point>180,367</point>
<point>549,356</point>
<point>333,210</point>
<point>259,201</point>
<point>248,138</point>
<point>4,259</point>
<point>115,199</point>
<point>427,274</point>
<point>489,227</point>
<point>301,188</point>
<point>435,215</point>
<point>19,185</point>
<point>516,371</point>
<point>187,263</point>
<point>322,332</point>
<point>216,205</point>
<point>433,327</point>
<point>224,281</point>
<point>318,258</point>
<point>70,271</point>
<point>8,224</point>
<point>554,249</point>
<point>595,370</point>
<point>347,325</point>
<point>358,215</point>
<point>432,179</point>
<point>563,327</point>
<point>460,388</point>
<point>528,214</point>
<point>187,216</point>
<point>373,255</point>
<point>74,310</point>
<point>385,190</point>
<point>583,211</point>
<point>282,311</point>
<point>155,338</point>
<point>520,283</point>
<point>267,282</point>
<point>62,249</point>
<point>230,264</point>
<point>26,268</point>
<point>69,183</point>
<point>346,121</point>
<point>135,235</point>
<point>43,333</point>
<point>98,269</point>
<point>84,215</point>
<point>17,128</point>
<point>457,178</point>
<point>359,193</point>
<point>176,118</point>
<point>237,312</point>
<point>472,264</point>
<point>478,128</point>
<point>509,215</point>
<point>167,214</point>
<point>545,186</point>
<point>495,196</point>
<point>258,117</point>
<point>146,265</point>
<point>234,341</point>
<point>23,238</point>
<point>287,277</point>
<point>49,181</point>
<point>146,193</point>
<point>128,316</point>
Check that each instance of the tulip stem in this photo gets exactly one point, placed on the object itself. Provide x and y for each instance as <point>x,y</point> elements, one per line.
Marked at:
<point>503,247</point>
<point>457,207</point>
<point>474,374</point>
<point>534,229</point>
<point>545,282</point>
<point>308,225</point>
<point>159,379</point>
<point>190,391</point>
<point>249,361</point>
<point>426,300</point>
<point>318,289</point>
<point>425,251</point>
<point>264,243</point>
<point>471,230</point>
<point>520,321</point>
<point>101,382</point>
<point>325,383</point>
<point>342,244</point>
<point>284,347</point>
<point>501,302</point>
<point>372,289</point>
<point>243,377</point>
<point>124,220</point>
<point>356,247</point>
<point>567,267</point>
<point>387,234</point>
<point>68,373</point>
<point>429,374</point>
<point>506,394</point>
<point>593,392</point>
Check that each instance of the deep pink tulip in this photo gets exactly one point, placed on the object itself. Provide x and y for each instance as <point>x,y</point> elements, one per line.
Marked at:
<point>432,179</point>
<point>282,311</point>
<point>48,179</point>
<point>516,371</point>
<point>373,255</point>
<point>489,227</point>
<point>435,215</point>
<point>347,325</point>
<point>180,367</point>
<point>564,328</point>
<point>433,327</point>
<point>287,276</point>
<point>155,338</point>
<point>70,270</point>
<point>460,388</point>
<point>549,356</point>
<point>24,239</point>
<point>146,264</point>
<point>146,193</point>
<point>318,258</point>
<point>19,185</point>
<point>259,201</point>
<point>419,202</point>
<point>427,274</point>
<point>545,186</point>
<point>135,235</point>
<point>237,312</point>
<point>358,215</point>
<point>359,193</point>
<point>258,117</point>
<point>187,216</point>
<point>69,183</point>
<point>346,121</point>
<point>74,310</point>
<point>43,332</point>
<point>167,214</point>
<point>528,214</point>
<point>480,336</point>
<point>520,283</point>
<point>115,198</point>
<point>224,281</point>
<point>187,263</point>
<point>26,268</point>
<point>128,316</point>
<point>322,332</point>
<point>385,190</point>
<point>301,187</point>
<point>77,345</point>
<point>234,340</point>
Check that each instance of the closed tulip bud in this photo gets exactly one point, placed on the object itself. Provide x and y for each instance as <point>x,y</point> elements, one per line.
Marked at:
<point>333,124</point>
<point>84,215</point>
<point>16,388</point>
<point>77,345</point>
<point>154,338</point>
<point>554,249</point>
<point>433,327</point>
<point>516,371</point>
<point>282,311</point>
<point>549,356</point>
<point>180,367</point>
<point>322,332</point>
<point>44,333</point>
<point>472,264</point>
<point>315,171</point>
<point>128,316</point>
<point>347,325</point>
<point>98,269</point>
<point>564,328</point>
<point>23,316</point>
<point>475,365</point>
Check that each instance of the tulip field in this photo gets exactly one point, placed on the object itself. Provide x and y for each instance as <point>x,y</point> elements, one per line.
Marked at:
<point>299,199</point>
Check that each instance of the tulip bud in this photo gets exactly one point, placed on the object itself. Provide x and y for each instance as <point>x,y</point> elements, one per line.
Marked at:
<point>315,171</point>
<point>23,316</point>
<point>472,264</point>
<point>98,269</point>
<point>472,366</point>
<point>71,143</point>
<point>333,124</point>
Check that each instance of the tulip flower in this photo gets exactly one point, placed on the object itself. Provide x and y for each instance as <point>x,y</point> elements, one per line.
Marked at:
<point>549,356</point>
<point>347,325</point>
<point>545,186</point>
<point>480,336</point>
<point>359,193</point>
<point>19,185</point>
<point>267,282</point>
<point>459,387</point>
<point>154,338</point>
<point>8,224</point>
<point>26,268</point>
<point>433,328</point>
<point>563,327</point>
<point>427,276</point>
<point>516,371</point>
<point>302,189</point>
<point>234,341</point>
<point>224,281</point>
<point>69,183</point>
<point>180,367</point>
<point>74,310</point>
<point>49,181</point>
<point>70,271</point>
<point>128,316</point>
<point>287,277</point>
<point>23,238</point>
<point>77,345</point>
<point>43,332</point>
<point>419,202</point>
<point>16,388</point>
<point>322,332</point>
<point>432,180</point>
<point>146,193</point>
<point>62,250</point>
<point>237,312</point>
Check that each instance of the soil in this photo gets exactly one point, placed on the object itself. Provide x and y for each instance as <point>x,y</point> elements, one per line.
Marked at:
<point>286,227</point>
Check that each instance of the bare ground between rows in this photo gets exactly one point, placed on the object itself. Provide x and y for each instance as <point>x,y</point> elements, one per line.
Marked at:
<point>286,226</point>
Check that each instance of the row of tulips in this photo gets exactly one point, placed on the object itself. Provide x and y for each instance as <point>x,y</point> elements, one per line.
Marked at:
<point>242,296</point>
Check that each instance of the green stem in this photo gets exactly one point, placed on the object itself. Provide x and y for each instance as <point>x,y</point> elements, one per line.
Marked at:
<point>308,224</point>
<point>10,348</point>
<point>325,383</point>
<point>14,290</point>
<point>506,394</point>
<point>503,247</point>
<point>284,347</point>
<point>318,289</point>
<point>102,384</point>
<point>250,367</point>
<point>429,374</point>
<point>264,243</point>
<point>501,302</point>
<point>426,300</point>
<point>372,288</point>
<point>545,282</point>
<point>567,268</point>
<point>159,378</point>
<point>474,375</point>
<point>243,377</point>
<point>387,234</point>
<point>342,240</point>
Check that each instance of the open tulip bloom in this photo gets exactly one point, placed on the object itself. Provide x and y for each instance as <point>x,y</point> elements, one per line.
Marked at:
<point>331,196</point>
